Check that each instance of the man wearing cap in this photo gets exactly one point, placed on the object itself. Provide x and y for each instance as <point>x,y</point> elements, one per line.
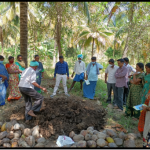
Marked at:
<point>110,72</point>
<point>121,78</point>
<point>26,87</point>
<point>61,69</point>
<point>79,69</point>
<point>92,72</point>
<point>130,69</point>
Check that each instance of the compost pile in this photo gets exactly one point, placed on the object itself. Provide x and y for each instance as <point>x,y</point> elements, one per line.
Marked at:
<point>64,114</point>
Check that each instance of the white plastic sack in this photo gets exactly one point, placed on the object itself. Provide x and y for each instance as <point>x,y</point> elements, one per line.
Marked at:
<point>87,82</point>
<point>64,140</point>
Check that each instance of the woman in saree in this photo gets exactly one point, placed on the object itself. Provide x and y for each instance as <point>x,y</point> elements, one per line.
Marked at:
<point>4,77</point>
<point>39,73</point>
<point>13,70</point>
<point>135,93</point>
<point>144,120</point>
<point>21,65</point>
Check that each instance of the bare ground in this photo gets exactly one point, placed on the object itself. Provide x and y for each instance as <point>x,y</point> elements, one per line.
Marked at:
<point>15,110</point>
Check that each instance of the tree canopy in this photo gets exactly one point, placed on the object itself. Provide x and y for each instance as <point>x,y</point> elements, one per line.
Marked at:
<point>62,28</point>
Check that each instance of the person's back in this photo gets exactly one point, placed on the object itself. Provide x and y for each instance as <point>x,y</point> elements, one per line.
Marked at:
<point>28,76</point>
<point>26,87</point>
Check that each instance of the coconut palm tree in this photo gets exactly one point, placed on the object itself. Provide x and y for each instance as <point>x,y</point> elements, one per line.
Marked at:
<point>24,30</point>
<point>97,35</point>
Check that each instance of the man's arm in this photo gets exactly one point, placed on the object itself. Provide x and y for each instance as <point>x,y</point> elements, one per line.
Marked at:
<point>121,74</point>
<point>33,81</point>
<point>132,69</point>
<point>38,86</point>
<point>84,69</point>
<point>55,70</point>
<point>67,69</point>
<point>74,70</point>
<point>106,73</point>
<point>105,77</point>
<point>100,66</point>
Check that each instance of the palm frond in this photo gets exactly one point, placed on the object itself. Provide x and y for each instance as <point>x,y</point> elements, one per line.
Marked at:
<point>86,12</point>
<point>88,42</point>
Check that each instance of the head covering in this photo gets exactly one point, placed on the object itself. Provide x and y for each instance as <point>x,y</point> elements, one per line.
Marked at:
<point>61,57</point>
<point>80,56</point>
<point>34,63</point>
<point>93,58</point>
<point>111,60</point>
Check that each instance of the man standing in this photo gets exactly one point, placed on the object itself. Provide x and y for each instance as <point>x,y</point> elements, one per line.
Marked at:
<point>110,71</point>
<point>26,87</point>
<point>121,82</point>
<point>92,72</point>
<point>79,69</point>
<point>61,69</point>
<point>130,69</point>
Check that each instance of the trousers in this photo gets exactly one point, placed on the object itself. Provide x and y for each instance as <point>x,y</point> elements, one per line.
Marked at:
<point>29,93</point>
<point>58,79</point>
<point>110,87</point>
<point>119,101</point>
<point>125,95</point>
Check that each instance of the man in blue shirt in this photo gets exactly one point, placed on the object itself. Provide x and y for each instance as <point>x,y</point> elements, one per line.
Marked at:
<point>61,68</point>
<point>92,72</point>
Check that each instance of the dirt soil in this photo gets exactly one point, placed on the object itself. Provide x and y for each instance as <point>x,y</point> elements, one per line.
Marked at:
<point>64,114</point>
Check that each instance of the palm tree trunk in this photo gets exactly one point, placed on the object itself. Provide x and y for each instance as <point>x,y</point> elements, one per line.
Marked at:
<point>125,48</point>
<point>92,47</point>
<point>82,49</point>
<point>58,31</point>
<point>24,30</point>
<point>130,17</point>
<point>54,54</point>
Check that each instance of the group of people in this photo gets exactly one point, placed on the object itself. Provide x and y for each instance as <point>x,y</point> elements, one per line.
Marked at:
<point>91,71</point>
<point>11,75</point>
<point>130,86</point>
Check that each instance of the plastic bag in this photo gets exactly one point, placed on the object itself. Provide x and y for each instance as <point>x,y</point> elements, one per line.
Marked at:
<point>87,82</point>
<point>64,140</point>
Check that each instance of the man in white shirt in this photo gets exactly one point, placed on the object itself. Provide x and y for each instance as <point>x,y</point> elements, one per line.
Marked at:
<point>26,87</point>
<point>79,69</point>
<point>130,69</point>
<point>110,72</point>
